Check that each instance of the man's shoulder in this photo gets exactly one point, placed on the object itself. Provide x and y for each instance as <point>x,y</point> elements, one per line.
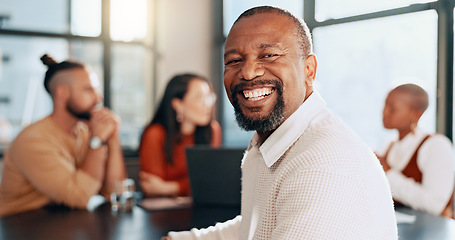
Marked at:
<point>330,140</point>
<point>37,128</point>
<point>331,129</point>
<point>42,131</point>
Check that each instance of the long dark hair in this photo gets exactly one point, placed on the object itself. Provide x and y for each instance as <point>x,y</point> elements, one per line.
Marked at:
<point>167,116</point>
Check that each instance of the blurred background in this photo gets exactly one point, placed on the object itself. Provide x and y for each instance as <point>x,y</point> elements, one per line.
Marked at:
<point>364,49</point>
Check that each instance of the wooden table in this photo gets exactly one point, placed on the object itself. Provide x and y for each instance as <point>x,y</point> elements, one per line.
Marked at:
<point>102,223</point>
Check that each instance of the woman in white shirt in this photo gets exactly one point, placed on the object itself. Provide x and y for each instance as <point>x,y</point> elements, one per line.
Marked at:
<point>418,165</point>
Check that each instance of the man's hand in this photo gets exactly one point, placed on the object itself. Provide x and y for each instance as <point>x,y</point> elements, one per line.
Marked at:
<point>104,123</point>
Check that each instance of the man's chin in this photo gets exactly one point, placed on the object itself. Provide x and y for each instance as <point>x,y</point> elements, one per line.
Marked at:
<point>259,123</point>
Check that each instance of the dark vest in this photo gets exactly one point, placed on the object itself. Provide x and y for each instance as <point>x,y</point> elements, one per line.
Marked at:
<point>412,171</point>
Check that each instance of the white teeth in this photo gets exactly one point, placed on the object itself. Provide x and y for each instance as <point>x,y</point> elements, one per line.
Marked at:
<point>257,94</point>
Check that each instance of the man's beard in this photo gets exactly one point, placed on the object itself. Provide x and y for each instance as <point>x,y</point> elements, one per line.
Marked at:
<point>83,115</point>
<point>267,123</point>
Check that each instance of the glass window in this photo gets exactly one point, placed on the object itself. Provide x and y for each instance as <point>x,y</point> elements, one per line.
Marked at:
<point>23,99</point>
<point>359,62</point>
<point>86,17</point>
<point>128,20</point>
<point>90,53</point>
<point>233,8</point>
<point>131,90</point>
<point>328,9</point>
<point>44,15</point>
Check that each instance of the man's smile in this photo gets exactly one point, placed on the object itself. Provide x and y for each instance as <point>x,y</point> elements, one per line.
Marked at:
<point>257,93</point>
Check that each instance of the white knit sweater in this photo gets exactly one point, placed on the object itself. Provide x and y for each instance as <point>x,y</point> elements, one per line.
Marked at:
<point>327,185</point>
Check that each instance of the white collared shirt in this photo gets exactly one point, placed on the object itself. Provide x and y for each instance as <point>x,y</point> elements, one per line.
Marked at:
<point>313,109</point>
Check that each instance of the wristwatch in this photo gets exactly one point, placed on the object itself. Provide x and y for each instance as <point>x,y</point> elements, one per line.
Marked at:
<point>95,142</point>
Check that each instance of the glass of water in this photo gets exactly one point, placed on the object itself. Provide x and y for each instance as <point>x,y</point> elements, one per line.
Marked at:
<point>122,196</point>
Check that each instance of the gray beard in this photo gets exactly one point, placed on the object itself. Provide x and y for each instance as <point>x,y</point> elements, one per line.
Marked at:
<point>262,125</point>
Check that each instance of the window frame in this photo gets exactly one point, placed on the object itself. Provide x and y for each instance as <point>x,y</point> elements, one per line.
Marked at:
<point>107,45</point>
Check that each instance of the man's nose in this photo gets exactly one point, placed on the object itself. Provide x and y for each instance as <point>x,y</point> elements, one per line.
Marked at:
<point>252,69</point>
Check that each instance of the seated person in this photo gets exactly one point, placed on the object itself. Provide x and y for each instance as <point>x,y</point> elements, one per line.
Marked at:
<point>418,165</point>
<point>184,118</point>
<point>70,155</point>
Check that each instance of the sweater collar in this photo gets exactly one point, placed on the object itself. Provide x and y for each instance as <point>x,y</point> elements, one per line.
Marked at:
<point>291,129</point>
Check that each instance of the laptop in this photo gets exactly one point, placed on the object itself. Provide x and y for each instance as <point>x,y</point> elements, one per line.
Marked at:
<point>215,175</point>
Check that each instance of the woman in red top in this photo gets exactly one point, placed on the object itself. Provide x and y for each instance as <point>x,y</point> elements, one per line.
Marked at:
<point>184,118</point>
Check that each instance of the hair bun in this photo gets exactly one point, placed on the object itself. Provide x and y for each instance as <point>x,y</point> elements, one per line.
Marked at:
<point>48,60</point>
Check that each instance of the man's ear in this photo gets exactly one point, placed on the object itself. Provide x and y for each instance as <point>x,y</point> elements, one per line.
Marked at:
<point>311,65</point>
<point>61,93</point>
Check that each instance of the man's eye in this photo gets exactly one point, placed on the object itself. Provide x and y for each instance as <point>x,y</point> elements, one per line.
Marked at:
<point>270,55</point>
<point>233,61</point>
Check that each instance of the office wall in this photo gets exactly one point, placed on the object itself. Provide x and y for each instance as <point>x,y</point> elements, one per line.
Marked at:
<point>184,39</point>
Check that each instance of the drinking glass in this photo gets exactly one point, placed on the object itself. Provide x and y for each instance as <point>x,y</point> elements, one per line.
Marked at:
<point>122,196</point>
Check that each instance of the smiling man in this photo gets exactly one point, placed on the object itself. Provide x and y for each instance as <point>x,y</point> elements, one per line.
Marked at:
<point>305,174</point>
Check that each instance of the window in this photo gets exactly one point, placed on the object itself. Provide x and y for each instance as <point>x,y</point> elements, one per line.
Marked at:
<point>40,16</point>
<point>368,59</point>
<point>121,57</point>
<point>23,97</point>
<point>333,9</point>
<point>128,20</point>
<point>86,17</point>
<point>130,98</point>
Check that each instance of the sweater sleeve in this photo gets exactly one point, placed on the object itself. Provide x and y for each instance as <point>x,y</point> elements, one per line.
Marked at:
<point>221,231</point>
<point>53,173</point>
<point>151,152</point>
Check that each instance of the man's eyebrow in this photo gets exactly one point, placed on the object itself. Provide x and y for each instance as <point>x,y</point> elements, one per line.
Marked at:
<point>261,46</point>
<point>269,45</point>
<point>229,52</point>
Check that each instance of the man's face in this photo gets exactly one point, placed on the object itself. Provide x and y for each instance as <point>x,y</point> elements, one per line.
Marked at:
<point>83,94</point>
<point>264,74</point>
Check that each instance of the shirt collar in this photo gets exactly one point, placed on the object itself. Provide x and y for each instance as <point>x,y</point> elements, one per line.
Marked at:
<point>291,129</point>
<point>413,137</point>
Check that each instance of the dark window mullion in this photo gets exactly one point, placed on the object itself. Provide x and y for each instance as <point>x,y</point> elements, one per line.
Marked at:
<point>107,48</point>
